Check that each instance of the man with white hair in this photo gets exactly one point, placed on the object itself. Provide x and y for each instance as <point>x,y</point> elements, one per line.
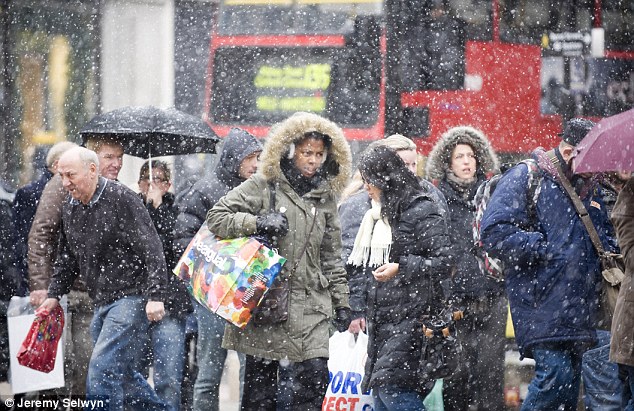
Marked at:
<point>122,263</point>
<point>43,241</point>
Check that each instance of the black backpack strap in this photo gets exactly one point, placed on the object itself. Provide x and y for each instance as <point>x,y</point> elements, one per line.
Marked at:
<point>534,182</point>
<point>271,195</point>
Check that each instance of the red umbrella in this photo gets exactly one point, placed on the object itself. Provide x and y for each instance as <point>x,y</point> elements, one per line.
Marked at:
<point>609,146</point>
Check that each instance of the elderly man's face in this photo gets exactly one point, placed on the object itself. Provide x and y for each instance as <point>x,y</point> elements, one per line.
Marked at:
<point>110,160</point>
<point>78,178</point>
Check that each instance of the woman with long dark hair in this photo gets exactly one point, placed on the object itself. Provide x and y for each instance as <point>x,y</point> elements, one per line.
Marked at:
<point>402,250</point>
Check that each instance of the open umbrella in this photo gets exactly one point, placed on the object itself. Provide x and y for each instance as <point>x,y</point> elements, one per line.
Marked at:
<point>609,146</point>
<point>149,131</point>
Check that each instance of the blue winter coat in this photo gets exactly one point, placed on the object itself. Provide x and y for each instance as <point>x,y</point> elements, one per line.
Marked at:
<point>553,274</point>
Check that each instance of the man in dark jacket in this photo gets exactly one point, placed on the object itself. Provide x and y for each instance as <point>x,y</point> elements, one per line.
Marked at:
<point>43,242</point>
<point>238,161</point>
<point>108,234</point>
<point>553,273</point>
<point>24,206</point>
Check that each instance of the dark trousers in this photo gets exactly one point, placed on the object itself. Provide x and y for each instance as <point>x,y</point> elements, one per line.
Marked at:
<point>479,383</point>
<point>283,385</point>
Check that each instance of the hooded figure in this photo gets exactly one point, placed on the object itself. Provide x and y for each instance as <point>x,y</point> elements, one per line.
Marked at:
<point>307,159</point>
<point>238,161</point>
<point>461,160</point>
<point>237,146</point>
<point>459,191</point>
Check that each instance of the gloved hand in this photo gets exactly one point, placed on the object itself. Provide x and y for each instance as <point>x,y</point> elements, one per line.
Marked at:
<point>272,224</point>
<point>343,316</point>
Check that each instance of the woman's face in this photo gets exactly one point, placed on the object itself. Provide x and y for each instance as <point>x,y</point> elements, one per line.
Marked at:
<point>309,154</point>
<point>373,191</point>
<point>463,162</point>
<point>410,158</point>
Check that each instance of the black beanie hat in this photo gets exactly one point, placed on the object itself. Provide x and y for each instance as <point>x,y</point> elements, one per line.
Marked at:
<point>575,130</point>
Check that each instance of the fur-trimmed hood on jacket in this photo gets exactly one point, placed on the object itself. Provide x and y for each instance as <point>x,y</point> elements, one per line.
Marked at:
<point>439,160</point>
<point>291,130</point>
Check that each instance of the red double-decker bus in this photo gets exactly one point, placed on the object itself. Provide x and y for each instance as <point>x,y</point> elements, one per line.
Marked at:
<point>512,68</point>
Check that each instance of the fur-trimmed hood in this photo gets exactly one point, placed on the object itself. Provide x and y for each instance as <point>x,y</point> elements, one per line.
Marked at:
<point>291,130</point>
<point>439,160</point>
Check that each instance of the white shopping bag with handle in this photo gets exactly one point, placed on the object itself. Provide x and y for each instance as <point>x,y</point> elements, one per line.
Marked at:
<point>346,366</point>
<point>20,315</point>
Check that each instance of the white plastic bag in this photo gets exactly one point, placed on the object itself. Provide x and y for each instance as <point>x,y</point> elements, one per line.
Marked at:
<point>20,315</point>
<point>346,366</point>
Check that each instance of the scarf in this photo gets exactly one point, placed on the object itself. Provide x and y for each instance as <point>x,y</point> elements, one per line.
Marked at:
<point>373,241</point>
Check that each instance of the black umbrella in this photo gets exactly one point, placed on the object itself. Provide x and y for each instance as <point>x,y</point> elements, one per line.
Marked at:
<point>149,131</point>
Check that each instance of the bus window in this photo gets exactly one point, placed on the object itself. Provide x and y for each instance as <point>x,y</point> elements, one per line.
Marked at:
<point>356,76</point>
<point>618,21</point>
<point>432,51</point>
<point>291,17</point>
<point>477,16</point>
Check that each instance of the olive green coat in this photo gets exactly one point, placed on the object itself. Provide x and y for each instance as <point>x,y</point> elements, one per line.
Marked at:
<point>319,285</point>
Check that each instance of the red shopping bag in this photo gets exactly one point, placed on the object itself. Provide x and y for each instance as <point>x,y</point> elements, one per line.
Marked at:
<point>39,349</point>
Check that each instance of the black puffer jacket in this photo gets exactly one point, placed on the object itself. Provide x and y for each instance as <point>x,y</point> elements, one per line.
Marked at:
<point>205,193</point>
<point>176,299</point>
<point>396,307</point>
<point>468,279</point>
<point>351,213</point>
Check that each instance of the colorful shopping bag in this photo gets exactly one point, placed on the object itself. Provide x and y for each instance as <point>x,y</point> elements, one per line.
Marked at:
<point>39,349</point>
<point>230,277</point>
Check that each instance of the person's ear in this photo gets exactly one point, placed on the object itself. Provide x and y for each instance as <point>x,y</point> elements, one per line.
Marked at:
<point>567,152</point>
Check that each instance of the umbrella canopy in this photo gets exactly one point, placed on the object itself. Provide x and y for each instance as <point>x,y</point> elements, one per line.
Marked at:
<point>149,131</point>
<point>609,146</point>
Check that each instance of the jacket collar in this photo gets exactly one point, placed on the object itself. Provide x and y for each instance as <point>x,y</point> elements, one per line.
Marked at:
<point>101,185</point>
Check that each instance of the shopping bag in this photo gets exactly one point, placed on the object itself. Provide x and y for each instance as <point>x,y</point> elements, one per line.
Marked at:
<point>230,277</point>
<point>434,401</point>
<point>346,366</point>
<point>39,348</point>
<point>20,317</point>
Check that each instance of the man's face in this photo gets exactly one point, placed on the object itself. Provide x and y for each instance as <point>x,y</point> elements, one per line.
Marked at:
<point>110,160</point>
<point>79,179</point>
<point>309,154</point>
<point>249,165</point>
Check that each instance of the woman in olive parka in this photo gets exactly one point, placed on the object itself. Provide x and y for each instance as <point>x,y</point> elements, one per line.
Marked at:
<point>307,160</point>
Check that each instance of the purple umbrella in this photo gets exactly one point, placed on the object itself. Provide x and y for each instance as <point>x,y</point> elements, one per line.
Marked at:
<point>609,146</point>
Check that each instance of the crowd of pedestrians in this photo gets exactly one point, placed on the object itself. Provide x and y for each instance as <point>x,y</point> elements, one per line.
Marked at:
<point>372,249</point>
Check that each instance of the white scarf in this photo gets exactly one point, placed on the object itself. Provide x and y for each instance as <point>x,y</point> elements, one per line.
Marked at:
<point>373,241</point>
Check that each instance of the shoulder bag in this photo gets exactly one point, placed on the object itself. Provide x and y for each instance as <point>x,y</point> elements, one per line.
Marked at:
<point>612,264</point>
<point>273,308</point>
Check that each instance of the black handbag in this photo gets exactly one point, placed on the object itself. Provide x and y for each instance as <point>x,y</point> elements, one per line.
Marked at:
<point>441,351</point>
<point>273,308</point>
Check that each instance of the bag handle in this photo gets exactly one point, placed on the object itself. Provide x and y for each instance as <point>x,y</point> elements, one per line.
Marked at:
<point>301,253</point>
<point>581,209</point>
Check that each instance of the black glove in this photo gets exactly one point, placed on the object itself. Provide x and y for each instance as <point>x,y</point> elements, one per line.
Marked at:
<point>272,224</point>
<point>343,317</point>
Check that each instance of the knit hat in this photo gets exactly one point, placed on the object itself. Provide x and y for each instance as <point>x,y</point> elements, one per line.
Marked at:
<point>575,130</point>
